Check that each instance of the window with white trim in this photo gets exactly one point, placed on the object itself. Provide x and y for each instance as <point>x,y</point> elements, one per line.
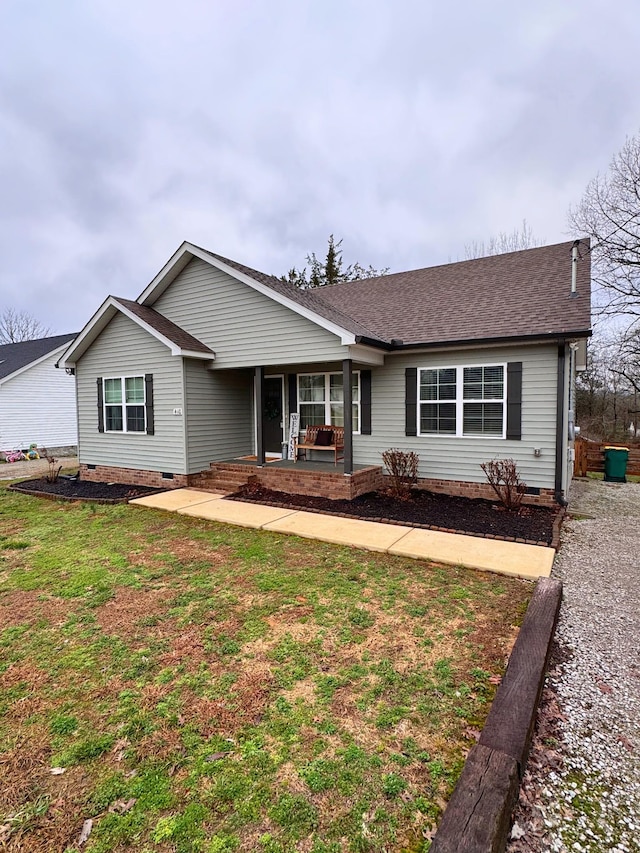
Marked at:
<point>124,404</point>
<point>321,399</point>
<point>463,401</point>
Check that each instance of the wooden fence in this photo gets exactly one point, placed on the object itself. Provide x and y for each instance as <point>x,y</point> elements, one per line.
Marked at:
<point>590,457</point>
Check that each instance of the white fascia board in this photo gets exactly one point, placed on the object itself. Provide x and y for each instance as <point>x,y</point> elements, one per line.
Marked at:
<point>367,355</point>
<point>159,284</point>
<point>31,364</point>
<point>175,349</point>
<point>203,356</point>
<point>89,333</point>
<point>98,323</point>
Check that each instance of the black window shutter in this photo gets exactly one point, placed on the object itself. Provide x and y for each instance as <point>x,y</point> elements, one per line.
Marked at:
<point>293,393</point>
<point>514,400</point>
<point>148,396</point>
<point>411,401</point>
<point>365,402</point>
<point>100,405</point>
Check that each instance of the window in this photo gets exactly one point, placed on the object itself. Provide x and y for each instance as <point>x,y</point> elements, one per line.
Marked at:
<point>321,399</point>
<point>484,397</point>
<point>438,401</point>
<point>124,404</point>
<point>462,400</point>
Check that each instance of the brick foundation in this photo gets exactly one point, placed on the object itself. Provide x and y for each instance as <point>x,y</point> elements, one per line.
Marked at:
<point>324,484</point>
<point>132,476</point>
<point>228,476</point>
<point>482,490</point>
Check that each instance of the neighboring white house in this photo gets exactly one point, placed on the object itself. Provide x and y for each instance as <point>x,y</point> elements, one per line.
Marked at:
<point>37,400</point>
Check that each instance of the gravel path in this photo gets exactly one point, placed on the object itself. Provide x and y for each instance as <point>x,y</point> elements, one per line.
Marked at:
<point>33,467</point>
<point>582,786</point>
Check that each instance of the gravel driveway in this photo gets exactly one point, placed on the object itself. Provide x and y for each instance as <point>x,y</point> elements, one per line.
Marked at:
<point>34,467</point>
<point>582,787</point>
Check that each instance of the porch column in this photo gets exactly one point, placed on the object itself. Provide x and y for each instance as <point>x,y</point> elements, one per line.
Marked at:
<point>258,384</point>
<point>347,374</point>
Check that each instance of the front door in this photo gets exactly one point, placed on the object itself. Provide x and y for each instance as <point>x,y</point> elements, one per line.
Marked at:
<point>273,414</point>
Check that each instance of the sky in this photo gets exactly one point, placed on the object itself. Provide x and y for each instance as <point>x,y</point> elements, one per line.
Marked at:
<point>255,129</point>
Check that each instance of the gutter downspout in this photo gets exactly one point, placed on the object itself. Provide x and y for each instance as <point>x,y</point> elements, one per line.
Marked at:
<point>560,449</point>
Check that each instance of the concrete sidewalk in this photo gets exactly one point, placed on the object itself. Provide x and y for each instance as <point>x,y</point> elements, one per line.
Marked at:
<point>507,558</point>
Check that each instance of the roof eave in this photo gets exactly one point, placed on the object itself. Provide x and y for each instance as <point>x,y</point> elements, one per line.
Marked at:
<point>181,258</point>
<point>545,337</point>
<point>100,320</point>
<point>35,362</point>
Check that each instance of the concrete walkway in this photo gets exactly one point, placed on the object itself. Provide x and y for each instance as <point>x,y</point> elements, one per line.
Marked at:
<point>507,558</point>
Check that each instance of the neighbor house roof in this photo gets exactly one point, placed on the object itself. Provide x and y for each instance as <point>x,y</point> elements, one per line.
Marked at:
<point>514,295</point>
<point>16,357</point>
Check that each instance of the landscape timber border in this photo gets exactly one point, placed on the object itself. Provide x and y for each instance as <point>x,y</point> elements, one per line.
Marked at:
<point>477,818</point>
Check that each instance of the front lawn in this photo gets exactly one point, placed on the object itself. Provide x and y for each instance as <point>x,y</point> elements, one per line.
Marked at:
<point>188,686</point>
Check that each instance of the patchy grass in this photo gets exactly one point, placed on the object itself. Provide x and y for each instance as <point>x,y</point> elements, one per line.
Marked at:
<point>198,687</point>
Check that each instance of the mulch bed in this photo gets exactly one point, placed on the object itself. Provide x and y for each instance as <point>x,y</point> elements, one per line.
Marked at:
<point>531,524</point>
<point>70,489</point>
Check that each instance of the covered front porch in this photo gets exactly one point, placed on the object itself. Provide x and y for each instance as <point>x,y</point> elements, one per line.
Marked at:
<point>288,401</point>
<point>324,479</point>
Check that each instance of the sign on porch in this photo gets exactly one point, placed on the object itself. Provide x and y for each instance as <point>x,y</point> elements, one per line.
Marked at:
<point>294,421</point>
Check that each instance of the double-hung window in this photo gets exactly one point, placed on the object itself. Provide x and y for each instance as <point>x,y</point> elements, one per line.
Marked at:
<point>124,404</point>
<point>463,401</point>
<point>321,399</point>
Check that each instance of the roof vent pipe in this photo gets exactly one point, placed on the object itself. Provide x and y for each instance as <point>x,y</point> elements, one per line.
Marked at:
<point>574,268</point>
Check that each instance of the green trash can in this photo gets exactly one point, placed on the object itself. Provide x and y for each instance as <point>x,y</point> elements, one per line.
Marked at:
<point>615,464</point>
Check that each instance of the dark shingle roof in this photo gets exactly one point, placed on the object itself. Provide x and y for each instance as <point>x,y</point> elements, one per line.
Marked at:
<point>165,327</point>
<point>16,356</point>
<point>518,294</point>
<point>309,299</point>
<point>514,295</point>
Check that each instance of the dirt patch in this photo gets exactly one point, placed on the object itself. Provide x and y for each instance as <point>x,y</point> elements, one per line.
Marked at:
<point>25,607</point>
<point>122,613</point>
<point>423,509</point>
<point>244,705</point>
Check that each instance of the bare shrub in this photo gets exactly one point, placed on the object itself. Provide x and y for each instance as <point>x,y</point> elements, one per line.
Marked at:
<point>52,473</point>
<point>402,467</point>
<point>505,481</point>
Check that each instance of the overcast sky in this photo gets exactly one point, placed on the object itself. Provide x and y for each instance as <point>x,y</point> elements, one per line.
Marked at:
<point>409,129</point>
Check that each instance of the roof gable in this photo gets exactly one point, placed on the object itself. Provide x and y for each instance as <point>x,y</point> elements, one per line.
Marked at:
<point>307,303</point>
<point>172,336</point>
<point>18,357</point>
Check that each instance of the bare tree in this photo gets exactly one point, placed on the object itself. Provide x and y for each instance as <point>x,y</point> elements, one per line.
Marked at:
<point>609,213</point>
<point>16,326</point>
<point>607,391</point>
<point>514,241</point>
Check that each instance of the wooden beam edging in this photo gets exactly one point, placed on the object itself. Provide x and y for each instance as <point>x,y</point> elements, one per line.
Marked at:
<point>478,816</point>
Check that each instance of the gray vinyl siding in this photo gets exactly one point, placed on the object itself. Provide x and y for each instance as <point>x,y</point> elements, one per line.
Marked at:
<point>453,458</point>
<point>243,327</point>
<point>124,349</point>
<point>219,414</point>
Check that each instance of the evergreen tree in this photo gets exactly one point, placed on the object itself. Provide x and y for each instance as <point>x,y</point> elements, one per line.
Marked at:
<point>330,271</point>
